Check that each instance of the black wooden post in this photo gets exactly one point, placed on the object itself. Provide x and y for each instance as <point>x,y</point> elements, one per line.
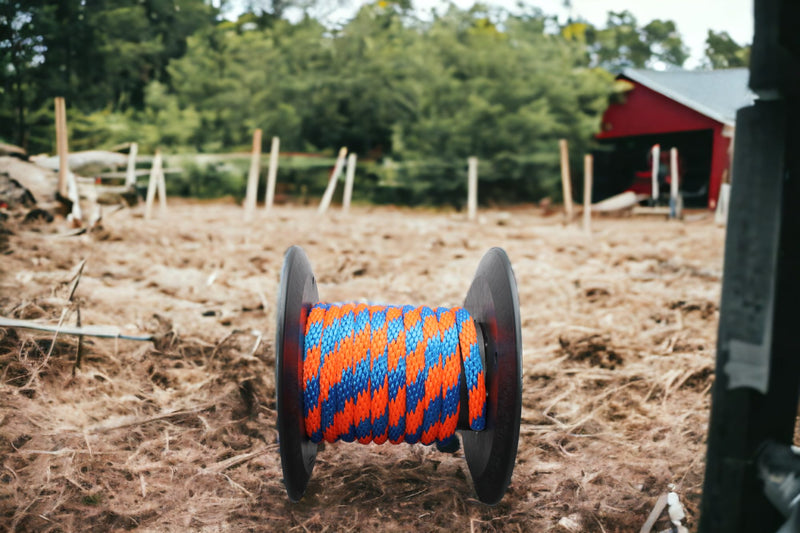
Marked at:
<point>755,393</point>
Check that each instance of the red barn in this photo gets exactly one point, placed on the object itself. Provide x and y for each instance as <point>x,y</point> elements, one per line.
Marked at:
<point>693,111</point>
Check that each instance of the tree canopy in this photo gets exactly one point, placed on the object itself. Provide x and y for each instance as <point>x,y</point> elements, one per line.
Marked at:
<point>723,52</point>
<point>625,43</point>
<point>417,95</point>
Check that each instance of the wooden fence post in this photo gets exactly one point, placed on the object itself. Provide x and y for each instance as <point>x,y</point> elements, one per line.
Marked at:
<point>130,174</point>
<point>472,188</point>
<point>162,190</point>
<point>656,153</point>
<point>566,180</point>
<point>721,212</point>
<point>152,184</point>
<point>62,146</point>
<point>272,173</point>
<point>348,182</point>
<point>588,169</point>
<point>74,196</point>
<point>252,177</point>
<point>337,170</point>
<point>675,207</point>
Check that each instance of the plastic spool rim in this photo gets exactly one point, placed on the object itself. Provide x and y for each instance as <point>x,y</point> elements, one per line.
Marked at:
<point>298,293</point>
<point>493,302</point>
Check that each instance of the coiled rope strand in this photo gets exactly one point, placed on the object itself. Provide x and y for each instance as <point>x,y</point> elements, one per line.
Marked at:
<point>378,373</point>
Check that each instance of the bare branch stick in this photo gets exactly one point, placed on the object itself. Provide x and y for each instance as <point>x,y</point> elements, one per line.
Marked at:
<point>106,332</point>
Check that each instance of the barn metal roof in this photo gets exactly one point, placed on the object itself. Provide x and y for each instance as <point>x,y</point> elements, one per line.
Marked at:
<point>714,93</point>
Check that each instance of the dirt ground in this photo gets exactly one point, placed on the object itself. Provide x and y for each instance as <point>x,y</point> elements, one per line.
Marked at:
<point>179,434</point>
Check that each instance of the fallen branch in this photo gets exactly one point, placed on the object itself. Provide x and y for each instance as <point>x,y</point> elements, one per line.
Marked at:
<point>106,332</point>
<point>227,464</point>
<point>129,421</point>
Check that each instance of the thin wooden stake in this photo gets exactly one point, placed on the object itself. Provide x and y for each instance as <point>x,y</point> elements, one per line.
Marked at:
<point>675,207</point>
<point>656,153</point>
<point>130,174</point>
<point>55,329</point>
<point>162,191</point>
<point>588,169</point>
<point>337,170</point>
<point>272,173</point>
<point>252,177</point>
<point>566,180</point>
<point>62,146</point>
<point>658,508</point>
<point>74,197</point>
<point>152,184</point>
<point>721,213</point>
<point>79,354</point>
<point>472,188</point>
<point>348,182</point>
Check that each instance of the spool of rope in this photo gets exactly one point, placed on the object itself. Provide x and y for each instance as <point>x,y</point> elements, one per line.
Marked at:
<point>378,373</point>
<point>400,374</point>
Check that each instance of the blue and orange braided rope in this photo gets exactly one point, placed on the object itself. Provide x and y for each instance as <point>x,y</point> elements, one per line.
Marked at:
<point>378,373</point>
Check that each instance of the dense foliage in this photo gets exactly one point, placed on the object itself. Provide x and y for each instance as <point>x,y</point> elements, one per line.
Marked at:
<point>723,52</point>
<point>414,97</point>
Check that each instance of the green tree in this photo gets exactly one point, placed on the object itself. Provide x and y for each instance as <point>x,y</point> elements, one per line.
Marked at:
<point>665,42</point>
<point>240,79</point>
<point>623,43</point>
<point>21,49</point>
<point>96,53</point>
<point>507,97</point>
<point>417,96</point>
<point>375,80</point>
<point>135,40</point>
<point>267,12</point>
<point>723,52</point>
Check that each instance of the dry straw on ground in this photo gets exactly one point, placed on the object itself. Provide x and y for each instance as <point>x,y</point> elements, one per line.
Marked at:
<point>179,434</point>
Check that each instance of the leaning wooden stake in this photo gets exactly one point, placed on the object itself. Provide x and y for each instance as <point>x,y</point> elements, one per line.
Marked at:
<point>62,146</point>
<point>588,168</point>
<point>155,172</point>
<point>675,206</point>
<point>656,153</point>
<point>252,177</point>
<point>272,173</point>
<point>337,170</point>
<point>566,179</point>
<point>348,182</point>
<point>130,174</point>
<point>472,188</point>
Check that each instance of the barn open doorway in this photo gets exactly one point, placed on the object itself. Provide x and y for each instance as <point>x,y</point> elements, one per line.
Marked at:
<point>624,163</point>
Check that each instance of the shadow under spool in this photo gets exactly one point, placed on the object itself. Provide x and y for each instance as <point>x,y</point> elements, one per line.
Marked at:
<point>493,302</point>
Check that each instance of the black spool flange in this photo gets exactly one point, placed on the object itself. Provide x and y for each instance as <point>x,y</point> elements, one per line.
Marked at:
<point>298,293</point>
<point>493,302</point>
